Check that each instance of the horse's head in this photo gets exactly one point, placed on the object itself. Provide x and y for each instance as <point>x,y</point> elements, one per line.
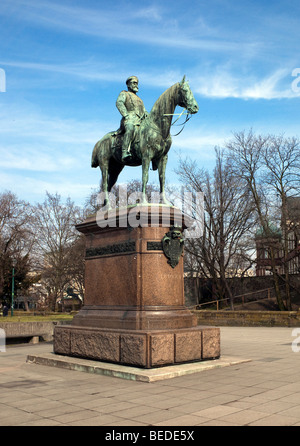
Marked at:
<point>186,97</point>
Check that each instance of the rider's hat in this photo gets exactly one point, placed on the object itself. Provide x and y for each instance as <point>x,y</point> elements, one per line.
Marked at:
<point>131,78</point>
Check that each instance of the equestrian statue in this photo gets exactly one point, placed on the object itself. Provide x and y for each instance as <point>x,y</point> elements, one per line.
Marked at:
<point>143,137</point>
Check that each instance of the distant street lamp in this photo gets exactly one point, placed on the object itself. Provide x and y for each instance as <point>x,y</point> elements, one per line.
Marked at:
<point>12,290</point>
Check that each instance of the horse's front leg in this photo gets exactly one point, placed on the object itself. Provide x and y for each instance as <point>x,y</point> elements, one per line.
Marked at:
<point>162,178</point>
<point>145,176</point>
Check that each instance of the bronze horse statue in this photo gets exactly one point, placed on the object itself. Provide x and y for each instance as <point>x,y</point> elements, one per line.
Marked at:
<point>151,143</point>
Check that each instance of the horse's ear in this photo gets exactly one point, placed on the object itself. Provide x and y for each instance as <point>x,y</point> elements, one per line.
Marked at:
<point>183,80</point>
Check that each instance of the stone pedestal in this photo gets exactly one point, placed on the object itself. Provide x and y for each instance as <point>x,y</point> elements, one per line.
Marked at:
<point>134,310</point>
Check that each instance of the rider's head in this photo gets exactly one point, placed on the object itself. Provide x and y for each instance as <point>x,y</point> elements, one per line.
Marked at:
<point>132,84</point>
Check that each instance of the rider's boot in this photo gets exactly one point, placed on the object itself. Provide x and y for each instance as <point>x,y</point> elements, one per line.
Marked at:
<point>126,148</point>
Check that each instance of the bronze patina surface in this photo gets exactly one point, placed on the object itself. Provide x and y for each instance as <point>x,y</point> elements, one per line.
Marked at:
<point>142,138</point>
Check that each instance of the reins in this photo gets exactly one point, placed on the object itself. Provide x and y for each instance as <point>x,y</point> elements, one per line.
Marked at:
<point>188,117</point>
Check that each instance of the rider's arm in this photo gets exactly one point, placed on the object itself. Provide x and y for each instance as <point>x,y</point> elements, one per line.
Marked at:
<point>121,104</point>
<point>145,112</point>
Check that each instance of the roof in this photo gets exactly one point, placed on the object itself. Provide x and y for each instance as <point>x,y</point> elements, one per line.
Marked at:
<point>274,231</point>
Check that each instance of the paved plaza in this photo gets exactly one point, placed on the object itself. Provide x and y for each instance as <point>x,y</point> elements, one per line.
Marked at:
<point>264,391</point>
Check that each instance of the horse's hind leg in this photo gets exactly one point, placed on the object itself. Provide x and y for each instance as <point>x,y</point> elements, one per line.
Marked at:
<point>114,171</point>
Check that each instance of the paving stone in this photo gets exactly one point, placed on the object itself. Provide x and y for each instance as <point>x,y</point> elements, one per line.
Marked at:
<point>263,392</point>
<point>275,420</point>
<point>216,411</point>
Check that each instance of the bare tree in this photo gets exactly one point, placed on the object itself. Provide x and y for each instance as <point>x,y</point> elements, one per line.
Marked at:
<point>267,167</point>
<point>281,159</point>
<point>16,242</point>
<point>221,251</point>
<point>57,240</point>
<point>76,264</point>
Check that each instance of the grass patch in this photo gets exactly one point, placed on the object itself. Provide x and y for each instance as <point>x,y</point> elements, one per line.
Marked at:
<point>31,317</point>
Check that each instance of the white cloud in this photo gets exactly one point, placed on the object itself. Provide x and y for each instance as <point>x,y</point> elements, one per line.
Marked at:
<point>24,121</point>
<point>34,189</point>
<point>224,84</point>
<point>143,25</point>
<point>35,145</point>
<point>86,69</point>
<point>90,70</point>
<point>219,82</point>
<point>33,160</point>
<point>202,143</point>
<point>269,88</point>
<point>40,153</point>
<point>152,13</point>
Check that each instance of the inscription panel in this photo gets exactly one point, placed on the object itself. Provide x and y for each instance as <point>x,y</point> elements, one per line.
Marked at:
<point>111,249</point>
<point>154,246</point>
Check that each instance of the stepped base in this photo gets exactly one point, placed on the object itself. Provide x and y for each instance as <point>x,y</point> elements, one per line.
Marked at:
<point>139,348</point>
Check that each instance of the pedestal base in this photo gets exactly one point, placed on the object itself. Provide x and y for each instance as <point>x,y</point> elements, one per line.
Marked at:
<point>134,312</point>
<point>139,348</point>
<point>135,318</point>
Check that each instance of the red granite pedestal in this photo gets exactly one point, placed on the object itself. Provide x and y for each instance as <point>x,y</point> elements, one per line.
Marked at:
<point>134,310</point>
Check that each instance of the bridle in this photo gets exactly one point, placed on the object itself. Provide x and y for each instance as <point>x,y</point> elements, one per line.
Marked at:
<point>184,112</point>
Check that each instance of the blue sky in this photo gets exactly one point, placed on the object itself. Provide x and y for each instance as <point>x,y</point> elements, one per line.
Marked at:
<point>63,64</point>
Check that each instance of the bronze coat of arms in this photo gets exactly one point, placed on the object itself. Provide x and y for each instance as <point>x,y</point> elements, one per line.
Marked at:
<point>172,244</point>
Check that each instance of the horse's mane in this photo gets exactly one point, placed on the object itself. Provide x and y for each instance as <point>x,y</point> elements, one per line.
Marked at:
<point>164,102</point>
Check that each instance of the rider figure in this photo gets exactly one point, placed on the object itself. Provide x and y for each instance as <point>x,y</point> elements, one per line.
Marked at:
<point>133,111</point>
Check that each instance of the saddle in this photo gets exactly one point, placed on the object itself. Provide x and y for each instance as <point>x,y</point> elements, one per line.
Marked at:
<point>117,142</point>
<point>135,158</point>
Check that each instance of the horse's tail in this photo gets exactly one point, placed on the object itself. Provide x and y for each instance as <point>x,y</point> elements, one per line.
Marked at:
<point>101,149</point>
<point>95,161</point>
